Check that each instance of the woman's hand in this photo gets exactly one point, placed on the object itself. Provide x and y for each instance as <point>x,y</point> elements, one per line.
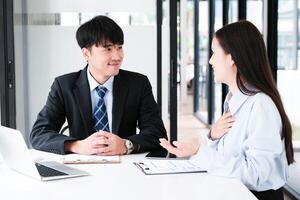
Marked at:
<point>180,149</point>
<point>222,126</point>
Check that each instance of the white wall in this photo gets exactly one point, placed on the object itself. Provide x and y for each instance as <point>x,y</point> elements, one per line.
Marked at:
<point>140,52</point>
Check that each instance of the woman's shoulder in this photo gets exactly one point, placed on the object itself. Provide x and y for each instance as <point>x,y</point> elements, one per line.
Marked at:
<point>263,101</point>
<point>260,96</point>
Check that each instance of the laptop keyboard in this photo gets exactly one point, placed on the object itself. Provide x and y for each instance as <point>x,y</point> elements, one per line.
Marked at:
<point>47,171</point>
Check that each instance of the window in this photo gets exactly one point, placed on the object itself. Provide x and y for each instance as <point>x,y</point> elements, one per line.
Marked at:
<point>255,17</point>
<point>233,11</point>
<point>218,86</point>
<point>288,58</point>
<point>202,102</point>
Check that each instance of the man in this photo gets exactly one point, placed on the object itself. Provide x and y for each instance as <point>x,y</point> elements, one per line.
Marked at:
<point>103,104</point>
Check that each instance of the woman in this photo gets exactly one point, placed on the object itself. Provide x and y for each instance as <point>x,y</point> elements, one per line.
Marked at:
<point>252,141</point>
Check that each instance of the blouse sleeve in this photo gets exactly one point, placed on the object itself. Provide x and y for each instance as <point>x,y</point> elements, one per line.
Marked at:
<point>261,162</point>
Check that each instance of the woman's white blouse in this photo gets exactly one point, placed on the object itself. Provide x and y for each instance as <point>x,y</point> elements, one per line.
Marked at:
<point>252,151</point>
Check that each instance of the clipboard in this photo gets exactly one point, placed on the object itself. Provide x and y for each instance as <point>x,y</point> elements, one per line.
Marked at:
<point>159,167</point>
<point>90,159</point>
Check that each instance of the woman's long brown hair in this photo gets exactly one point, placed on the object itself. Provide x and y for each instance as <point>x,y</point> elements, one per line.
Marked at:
<point>247,48</point>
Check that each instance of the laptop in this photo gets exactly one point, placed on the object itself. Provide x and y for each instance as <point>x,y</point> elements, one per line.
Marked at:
<point>17,156</point>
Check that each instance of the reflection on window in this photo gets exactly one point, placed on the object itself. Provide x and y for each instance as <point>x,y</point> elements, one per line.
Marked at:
<point>218,86</point>
<point>69,19</point>
<point>76,19</point>
<point>203,60</point>
<point>288,61</point>
<point>255,17</point>
<point>218,15</point>
<point>233,11</point>
<point>287,35</point>
<point>190,41</point>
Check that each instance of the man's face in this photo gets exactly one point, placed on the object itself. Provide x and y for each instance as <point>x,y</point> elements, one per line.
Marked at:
<point>104,60</point>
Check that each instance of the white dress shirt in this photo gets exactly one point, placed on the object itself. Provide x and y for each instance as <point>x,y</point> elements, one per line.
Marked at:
<point>108,98</point>
<point>252,150</point>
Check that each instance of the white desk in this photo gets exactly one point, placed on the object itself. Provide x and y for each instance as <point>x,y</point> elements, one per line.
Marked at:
<point>119,181</point>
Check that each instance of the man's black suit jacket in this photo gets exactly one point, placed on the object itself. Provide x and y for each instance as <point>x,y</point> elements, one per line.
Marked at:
<point>133,106</point>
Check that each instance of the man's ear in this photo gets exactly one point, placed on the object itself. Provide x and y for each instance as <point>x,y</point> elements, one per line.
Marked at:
<point>86,53</point>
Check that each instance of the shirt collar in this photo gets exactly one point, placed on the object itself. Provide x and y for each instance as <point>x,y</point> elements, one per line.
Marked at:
<point>235,101</point>
<point>93,83</point>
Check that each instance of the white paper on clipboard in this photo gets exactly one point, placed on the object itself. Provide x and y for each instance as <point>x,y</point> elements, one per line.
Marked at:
<point>153,167</point>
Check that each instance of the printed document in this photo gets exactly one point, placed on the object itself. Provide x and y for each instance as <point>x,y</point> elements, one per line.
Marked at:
<point>152,167</point>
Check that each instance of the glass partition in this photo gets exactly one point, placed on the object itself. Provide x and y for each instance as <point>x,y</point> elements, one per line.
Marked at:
<point>288,61</point>
<point>255,17</point>
<point>217,109</point>
<point>233,11</point>
<point>204,48</point>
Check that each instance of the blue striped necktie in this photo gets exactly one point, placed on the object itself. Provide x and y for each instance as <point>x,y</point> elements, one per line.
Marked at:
<point>100,113</point>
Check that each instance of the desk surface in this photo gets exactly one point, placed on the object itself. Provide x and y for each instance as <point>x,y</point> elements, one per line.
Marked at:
<point>119,181</point>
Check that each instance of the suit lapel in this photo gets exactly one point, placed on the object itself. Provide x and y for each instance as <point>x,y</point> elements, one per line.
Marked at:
<point>120,91</point>
<point>83,97</point>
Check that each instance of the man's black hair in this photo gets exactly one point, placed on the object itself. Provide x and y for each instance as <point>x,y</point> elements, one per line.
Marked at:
<point>99,31</point>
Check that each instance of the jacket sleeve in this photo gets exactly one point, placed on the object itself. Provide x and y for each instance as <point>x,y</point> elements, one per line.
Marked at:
<point>45,132</point>
<point>149,121</point>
